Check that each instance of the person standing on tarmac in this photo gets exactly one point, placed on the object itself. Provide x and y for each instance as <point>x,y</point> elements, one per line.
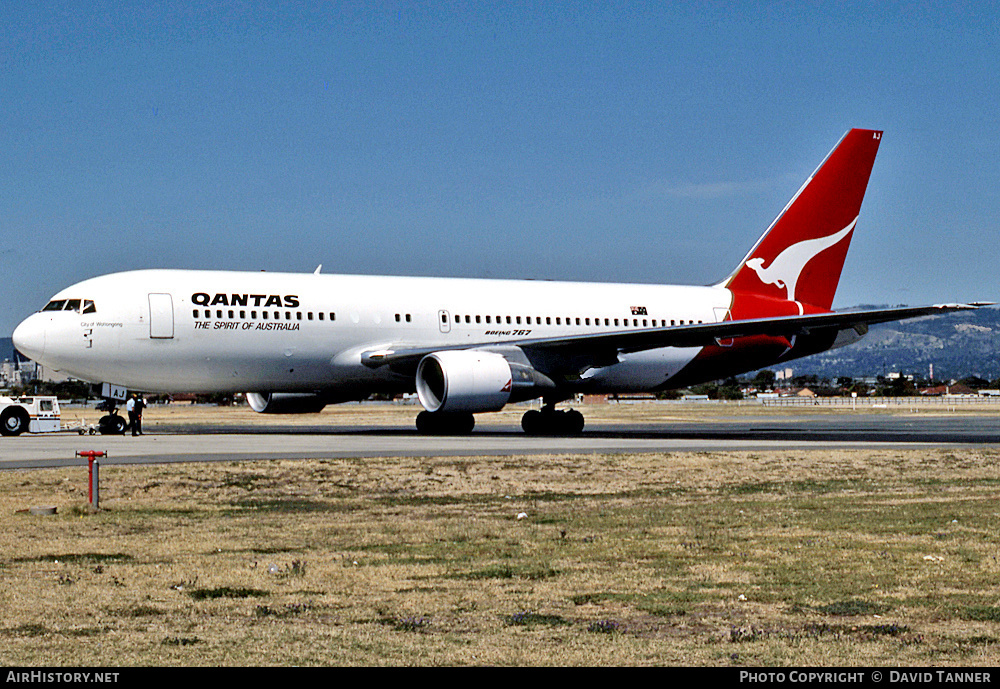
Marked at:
<point>133,416</point>
<point>140,404</point>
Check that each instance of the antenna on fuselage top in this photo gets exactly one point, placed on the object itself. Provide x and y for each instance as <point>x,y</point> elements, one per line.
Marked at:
<point>318,268</point>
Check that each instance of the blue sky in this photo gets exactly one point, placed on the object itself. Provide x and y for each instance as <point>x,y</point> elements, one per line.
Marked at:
<point>646,142</point>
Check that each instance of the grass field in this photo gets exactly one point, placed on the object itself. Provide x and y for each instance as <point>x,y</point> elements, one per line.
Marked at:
<point>736,559</point>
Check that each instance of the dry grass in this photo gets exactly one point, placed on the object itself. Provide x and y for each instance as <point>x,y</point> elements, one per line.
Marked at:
<point>805,558</point>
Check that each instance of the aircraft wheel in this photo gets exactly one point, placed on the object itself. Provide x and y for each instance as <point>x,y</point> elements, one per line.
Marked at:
<point>574,422</point>
<point>111,424</point>
<point>466,424</point>
<point>445,423</point>
<point>552,422</point>
<point>14,421</point>
<point>532,422</point>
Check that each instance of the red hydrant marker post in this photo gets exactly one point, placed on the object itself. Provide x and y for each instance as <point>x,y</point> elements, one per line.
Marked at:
<point>93,475</point>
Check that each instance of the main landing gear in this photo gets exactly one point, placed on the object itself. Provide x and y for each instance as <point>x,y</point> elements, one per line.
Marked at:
<point>549,421</point>
<point>445,423</point>
<point>546,421</point>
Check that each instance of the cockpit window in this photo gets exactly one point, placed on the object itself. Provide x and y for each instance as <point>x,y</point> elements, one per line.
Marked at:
<point>71,305</point>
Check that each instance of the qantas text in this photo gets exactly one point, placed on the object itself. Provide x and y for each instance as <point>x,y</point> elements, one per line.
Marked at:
<point>288,301</point>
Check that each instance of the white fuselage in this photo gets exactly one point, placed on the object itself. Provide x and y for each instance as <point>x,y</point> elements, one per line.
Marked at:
<point>217,331</point>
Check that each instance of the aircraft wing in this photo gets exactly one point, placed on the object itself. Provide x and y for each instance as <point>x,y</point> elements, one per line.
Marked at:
<point>604,347</point>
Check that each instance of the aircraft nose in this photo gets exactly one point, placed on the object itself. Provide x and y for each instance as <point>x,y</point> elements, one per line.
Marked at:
<point>29,337</point>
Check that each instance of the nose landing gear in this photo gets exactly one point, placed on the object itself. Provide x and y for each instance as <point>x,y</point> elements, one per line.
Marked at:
<point>110,423</point>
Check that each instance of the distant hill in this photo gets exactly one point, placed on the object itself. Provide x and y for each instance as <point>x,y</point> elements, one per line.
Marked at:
<point>958,344</point>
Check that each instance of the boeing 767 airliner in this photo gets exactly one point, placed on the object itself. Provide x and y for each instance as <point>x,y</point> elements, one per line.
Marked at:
<point>297,342</point>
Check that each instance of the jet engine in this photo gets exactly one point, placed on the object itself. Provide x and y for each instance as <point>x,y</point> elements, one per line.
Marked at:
<point>464,381</point>
<point>286,402</point>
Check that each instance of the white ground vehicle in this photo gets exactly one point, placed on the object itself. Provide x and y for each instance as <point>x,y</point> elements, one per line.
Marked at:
<point>32,414</point>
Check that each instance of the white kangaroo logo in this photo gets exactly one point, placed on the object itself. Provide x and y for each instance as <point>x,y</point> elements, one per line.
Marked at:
<point>787,266</point>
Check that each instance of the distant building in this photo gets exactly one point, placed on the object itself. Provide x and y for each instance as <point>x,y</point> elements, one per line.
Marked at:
<point>783,374</point>
<point>19,372</point>
<point>939,390</point>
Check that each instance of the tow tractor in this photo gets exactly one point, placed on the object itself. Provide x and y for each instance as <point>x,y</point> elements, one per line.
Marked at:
<point>39,414</point>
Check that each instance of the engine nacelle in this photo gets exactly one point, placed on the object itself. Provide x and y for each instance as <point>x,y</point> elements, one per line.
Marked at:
<point>286,402</point>
<point>463,381</point>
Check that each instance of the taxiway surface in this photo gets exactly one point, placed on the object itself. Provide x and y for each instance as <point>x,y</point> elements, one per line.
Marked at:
<point>205,442</point>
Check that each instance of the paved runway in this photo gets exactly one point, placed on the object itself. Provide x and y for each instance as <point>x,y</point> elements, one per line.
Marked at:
<point>200,443</point>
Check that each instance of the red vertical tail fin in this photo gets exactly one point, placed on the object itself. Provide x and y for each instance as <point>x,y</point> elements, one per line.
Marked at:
<point>801,255</point>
